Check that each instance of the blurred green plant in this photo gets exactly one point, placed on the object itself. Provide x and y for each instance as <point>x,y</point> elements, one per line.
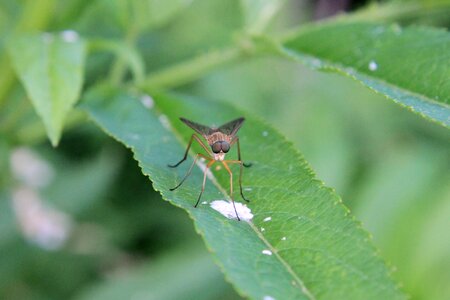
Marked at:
<point>71,217</point>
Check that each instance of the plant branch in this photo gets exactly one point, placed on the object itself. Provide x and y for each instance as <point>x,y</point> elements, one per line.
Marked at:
<point>120,65</point>
<point>191,69</point>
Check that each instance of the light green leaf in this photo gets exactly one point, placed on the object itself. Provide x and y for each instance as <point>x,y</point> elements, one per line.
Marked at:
<point>258,13</point>
<point>50,66</point>
<point>314,248</point>
<point>407,65</point>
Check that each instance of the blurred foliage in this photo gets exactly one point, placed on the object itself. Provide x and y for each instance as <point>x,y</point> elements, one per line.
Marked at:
<point>389,166</point>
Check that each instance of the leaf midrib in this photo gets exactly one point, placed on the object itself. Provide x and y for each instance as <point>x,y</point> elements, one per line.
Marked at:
<point>274,251</point>
<point>318,224</point>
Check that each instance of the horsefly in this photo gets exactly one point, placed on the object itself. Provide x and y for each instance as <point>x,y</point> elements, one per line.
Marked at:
<point>220,141</point>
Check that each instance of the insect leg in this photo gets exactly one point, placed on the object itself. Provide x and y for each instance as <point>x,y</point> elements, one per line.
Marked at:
<point>231,187</point>
<point>190,170</point>
<point>240,176</point>
<point>193,137</point>
<point>236,140</point>
<point>210,163</point>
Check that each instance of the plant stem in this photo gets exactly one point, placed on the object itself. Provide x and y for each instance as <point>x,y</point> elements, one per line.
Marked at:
<point>119,68</point>
<point>190,70</point>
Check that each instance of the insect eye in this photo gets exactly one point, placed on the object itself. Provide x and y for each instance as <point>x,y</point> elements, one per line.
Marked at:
<point>216,147</point>
<point>225,147</point>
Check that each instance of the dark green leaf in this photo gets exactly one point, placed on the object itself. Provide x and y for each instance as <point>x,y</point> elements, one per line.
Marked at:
<point>408,65</point>
<point>316,248</point>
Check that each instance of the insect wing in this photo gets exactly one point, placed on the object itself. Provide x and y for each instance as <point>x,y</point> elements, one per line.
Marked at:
<point>232,127</point>
<point>199,128</point>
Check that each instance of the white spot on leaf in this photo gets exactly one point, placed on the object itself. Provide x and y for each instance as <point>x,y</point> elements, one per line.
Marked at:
<point>373,66</point>
<point>263,229</point>
<point>267,219</point>
<point>226,208</point>
<point>147,101</point>
<point>283,238</point>
<point>268,298</point>
<point>267,252</point>
<point>265,133</point>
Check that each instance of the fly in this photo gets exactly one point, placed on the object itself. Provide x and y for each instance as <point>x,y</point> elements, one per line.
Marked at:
<point>220,140</point>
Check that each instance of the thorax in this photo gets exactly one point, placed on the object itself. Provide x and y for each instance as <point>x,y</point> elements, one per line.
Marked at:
<point>218,136</point>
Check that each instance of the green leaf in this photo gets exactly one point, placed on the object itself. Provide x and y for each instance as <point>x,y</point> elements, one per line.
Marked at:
<point>407,65</point>
<point>258,13</point>
<point>50,66</point>
<point>317,249</point>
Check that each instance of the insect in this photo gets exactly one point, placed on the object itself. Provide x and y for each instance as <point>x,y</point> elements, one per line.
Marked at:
<point>220,141</point>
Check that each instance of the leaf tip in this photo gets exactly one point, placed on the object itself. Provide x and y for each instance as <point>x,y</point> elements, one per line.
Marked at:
<point>54,139</point>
